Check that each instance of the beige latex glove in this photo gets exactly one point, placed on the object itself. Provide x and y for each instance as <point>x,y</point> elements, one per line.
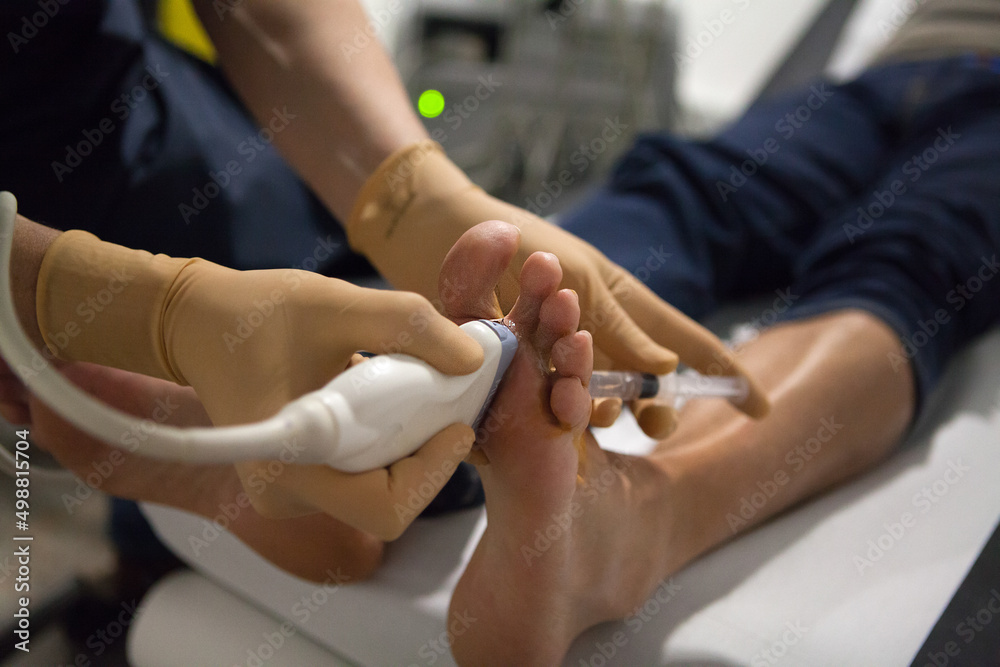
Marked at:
<point>249,342</point>
<point>416,205</point>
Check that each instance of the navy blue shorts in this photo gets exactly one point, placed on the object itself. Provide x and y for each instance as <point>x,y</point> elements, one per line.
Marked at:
<point>881,194</point>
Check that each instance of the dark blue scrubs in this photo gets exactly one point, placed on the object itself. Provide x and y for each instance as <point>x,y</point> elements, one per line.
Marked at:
<point>106,127</point>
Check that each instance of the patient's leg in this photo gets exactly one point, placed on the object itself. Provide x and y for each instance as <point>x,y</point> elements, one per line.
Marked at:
<point>829,379</point>
<point>562,553</point>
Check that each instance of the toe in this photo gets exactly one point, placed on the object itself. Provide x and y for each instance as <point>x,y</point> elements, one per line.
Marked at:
<point>570,402</point>
<point>473,267</point>
<point>573,356</point>
<point>540,277</point>
<point>574,360</point>
<point>559,316</point>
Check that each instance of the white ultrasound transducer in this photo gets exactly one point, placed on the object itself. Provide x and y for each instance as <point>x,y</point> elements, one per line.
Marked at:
<point>371,415</point>
<point>368,417</point>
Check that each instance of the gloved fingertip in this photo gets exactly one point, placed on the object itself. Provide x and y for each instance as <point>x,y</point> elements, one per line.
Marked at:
<point>463,357</point>
<point>473,358</point>
<point>477,457</point>
<point>465,437</point>
<point>657,420</point>
<point>605,412</point>
<point>662,361</point>
<point>640,352</point>
<point>756,404</point>
<point>457,437</point>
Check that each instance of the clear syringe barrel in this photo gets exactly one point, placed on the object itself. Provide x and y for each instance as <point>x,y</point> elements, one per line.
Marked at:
<point>628,385</point>
<point>625,385</point>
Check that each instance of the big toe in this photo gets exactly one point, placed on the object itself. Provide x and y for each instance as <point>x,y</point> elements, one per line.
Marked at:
<point>473,268</point>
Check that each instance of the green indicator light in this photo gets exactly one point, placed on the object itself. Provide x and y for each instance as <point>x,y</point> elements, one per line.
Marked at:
<point>430,104</point>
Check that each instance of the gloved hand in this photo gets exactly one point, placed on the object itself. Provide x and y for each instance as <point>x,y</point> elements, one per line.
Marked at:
<point>249,342</point>
<point>418,203</point>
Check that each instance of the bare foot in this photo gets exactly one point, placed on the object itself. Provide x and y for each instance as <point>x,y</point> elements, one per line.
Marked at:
<point>569,541</point>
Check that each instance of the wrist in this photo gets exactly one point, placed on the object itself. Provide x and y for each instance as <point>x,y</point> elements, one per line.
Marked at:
<point>411,211</point>
<point>31,241</point>
<point>103,303</point>
<point>419,171</point>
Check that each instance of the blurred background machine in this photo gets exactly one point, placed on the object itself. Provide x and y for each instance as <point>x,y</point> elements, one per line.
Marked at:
<point>535,98</point>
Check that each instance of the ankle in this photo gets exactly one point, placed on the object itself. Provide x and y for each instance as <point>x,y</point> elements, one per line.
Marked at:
<point>696,477</point>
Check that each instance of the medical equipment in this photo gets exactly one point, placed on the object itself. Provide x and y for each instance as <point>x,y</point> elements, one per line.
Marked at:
<point>529,87</point>
<point>670,388</point>
<point>369,416</point>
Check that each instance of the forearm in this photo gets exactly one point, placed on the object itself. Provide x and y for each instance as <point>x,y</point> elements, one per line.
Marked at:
<point>350,109</point>
<point>31,240</point>
<point>838,407</point>
<point>315,547</point>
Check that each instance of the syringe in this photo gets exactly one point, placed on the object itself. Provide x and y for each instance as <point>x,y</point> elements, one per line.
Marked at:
<point>629,385</point>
